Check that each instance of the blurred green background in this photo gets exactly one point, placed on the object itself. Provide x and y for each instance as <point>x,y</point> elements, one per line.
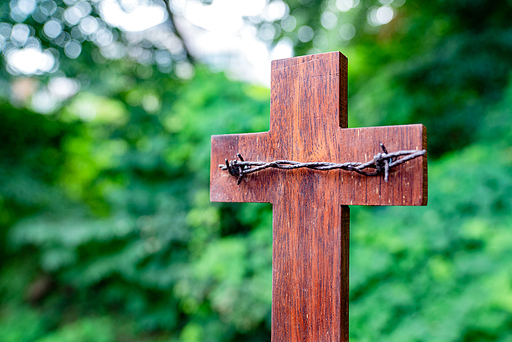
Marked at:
<point>106,228</point>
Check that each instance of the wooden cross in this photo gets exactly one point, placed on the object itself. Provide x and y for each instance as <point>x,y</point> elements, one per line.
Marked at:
<point>308,120</point>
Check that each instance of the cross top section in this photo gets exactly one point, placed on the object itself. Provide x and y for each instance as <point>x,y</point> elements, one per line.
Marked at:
<point>308,121</point>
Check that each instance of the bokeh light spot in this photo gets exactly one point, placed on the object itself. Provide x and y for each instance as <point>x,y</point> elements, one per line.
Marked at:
<point>384,15</point>
<point>30,61</point>
<point>48,7</point>
<point>380,16</point>
<point>320,42</point>
<point>5,30</point>
<point>267,32</point>
<point>329,20</point>
<point>305,34</point>
<point>63,87</point>
<point>72,16</point>
<point>19,34</point>
<point>52,28</point>
<point>26,6</point>
<point>289,23</point>
<point>275,10</point>
<point>346,5</point>
<point>73,49</point>
<point>139,19</point>
<point>347,31</point>
<point>103,37</point>
<point>89,25</point>
<point>151,103</point>
<point>185,70</point>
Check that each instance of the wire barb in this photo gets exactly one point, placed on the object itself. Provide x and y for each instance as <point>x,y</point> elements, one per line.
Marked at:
<point>381,163</point>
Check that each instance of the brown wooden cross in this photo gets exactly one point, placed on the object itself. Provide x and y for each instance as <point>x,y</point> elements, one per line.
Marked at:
<point>308,120</point>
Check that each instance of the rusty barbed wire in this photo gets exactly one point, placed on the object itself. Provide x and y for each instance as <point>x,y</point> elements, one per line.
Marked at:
<point>380,164</point>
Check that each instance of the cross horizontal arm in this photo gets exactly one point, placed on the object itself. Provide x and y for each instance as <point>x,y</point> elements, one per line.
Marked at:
<point>407,183</point>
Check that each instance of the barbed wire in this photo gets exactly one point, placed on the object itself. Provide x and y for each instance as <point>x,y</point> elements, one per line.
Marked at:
<point>380,164</point>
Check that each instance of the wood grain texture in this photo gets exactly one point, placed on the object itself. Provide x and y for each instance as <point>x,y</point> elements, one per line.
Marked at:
<point>310,214</point>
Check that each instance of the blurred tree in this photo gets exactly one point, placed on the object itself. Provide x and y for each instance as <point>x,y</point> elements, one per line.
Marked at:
<point>442,63</point>
<point>106,229</point>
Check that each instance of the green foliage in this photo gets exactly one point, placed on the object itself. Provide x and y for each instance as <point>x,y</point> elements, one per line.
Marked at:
<point>85,330</point>
<point>442,272</point>
<point>20,324</point>
<point>130,222</point>
<point>106,228</point>
<point>437,271</point>
<point>441,63</point>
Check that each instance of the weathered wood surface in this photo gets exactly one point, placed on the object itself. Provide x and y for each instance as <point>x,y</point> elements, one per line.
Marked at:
<point>310,214</point>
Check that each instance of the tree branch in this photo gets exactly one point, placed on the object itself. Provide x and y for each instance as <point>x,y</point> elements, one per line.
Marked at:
<point>190,58</point>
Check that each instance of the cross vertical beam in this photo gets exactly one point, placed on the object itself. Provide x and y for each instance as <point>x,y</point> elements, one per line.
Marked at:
<point>308,121</point>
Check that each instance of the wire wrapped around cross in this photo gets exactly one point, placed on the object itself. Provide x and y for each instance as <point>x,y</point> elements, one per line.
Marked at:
<point>380,164</point>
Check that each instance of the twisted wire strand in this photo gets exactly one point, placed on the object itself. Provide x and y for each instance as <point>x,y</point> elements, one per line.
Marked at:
<point>380,164</point>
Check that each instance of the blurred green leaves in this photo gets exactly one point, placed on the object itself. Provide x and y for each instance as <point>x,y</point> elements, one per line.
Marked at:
<point>131,228</point>
<point>106,228</point>
<point>85,330</point>
<point>439,271</point>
